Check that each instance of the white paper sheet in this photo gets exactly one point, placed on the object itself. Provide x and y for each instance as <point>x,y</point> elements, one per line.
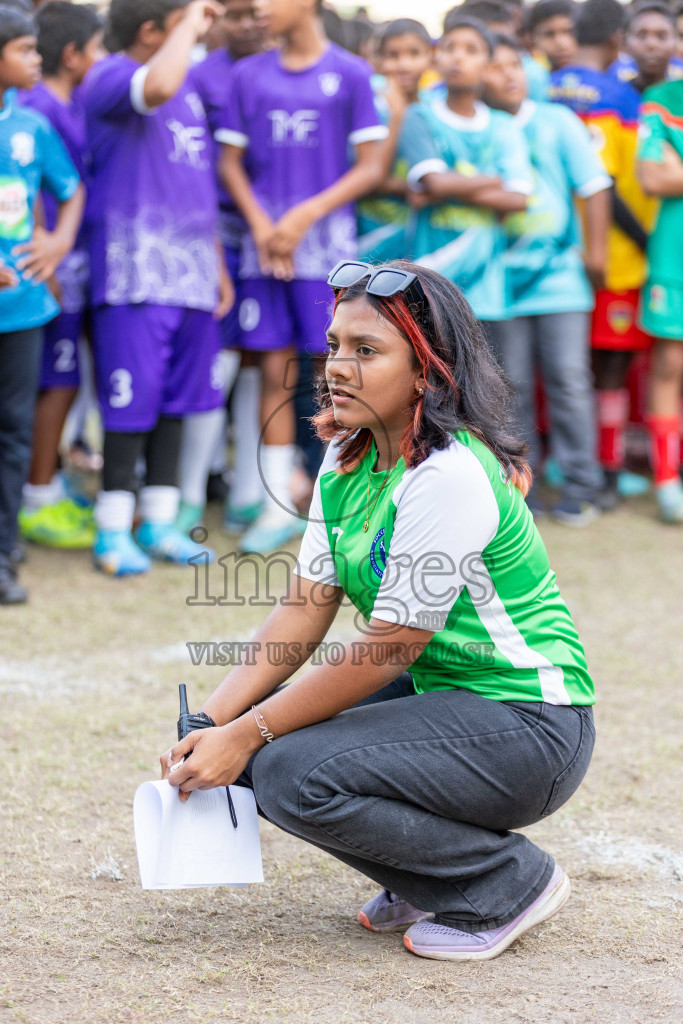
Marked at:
<point>187,845</point>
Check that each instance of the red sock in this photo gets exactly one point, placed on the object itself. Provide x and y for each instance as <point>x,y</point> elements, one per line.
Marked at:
<point>666,447</point>
<point>613,411</point>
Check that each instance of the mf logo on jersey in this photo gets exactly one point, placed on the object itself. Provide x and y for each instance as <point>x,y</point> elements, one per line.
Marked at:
<point>189,143</point>
<point>298,128</point>
<point>329,83</point>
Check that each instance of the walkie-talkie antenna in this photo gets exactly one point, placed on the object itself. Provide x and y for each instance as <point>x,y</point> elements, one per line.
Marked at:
<point>184,709</point>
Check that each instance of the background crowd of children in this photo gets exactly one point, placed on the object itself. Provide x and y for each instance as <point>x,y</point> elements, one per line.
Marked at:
<point>177,184</point>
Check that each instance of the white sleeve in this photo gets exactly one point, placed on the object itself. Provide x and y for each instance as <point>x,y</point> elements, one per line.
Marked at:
<point>446,516</point>
<point>137,91</point>
<point>315,560</point>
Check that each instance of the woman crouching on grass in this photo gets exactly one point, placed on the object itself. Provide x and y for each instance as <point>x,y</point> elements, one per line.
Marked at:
<point>419,519</point>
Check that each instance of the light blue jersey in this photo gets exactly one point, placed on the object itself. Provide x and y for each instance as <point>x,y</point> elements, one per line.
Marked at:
<point>32,157</point>
<point>537,78</point>
<point>465,243</point>
<point>382,219</point>
<point>544,269</point>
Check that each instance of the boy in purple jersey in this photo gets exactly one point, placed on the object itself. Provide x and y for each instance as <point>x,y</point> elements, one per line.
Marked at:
<point>69,42</point>
<point>203,450</point>
<point>158,276</point>
<point>293,116</point>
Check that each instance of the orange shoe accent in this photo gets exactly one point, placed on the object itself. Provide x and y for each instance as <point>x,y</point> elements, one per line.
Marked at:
<point>365,921</point>
<point>408,944</point>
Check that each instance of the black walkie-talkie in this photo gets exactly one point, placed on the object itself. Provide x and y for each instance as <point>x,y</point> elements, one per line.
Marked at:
<point>188,723</point>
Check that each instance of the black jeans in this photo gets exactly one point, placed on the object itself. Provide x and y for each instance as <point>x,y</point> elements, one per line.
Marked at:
<point>421,792</point>
<point>20,354</point>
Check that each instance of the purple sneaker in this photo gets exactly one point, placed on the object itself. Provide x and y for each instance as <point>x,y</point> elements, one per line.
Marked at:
<point>437,942</point>
<point>387,913</point>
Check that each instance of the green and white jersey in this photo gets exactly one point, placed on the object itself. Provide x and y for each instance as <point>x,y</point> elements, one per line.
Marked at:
<point>452,548</point>
<point>661,125</point>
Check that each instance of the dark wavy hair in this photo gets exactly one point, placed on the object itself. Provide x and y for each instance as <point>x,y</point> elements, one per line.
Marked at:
<point>465,387</point>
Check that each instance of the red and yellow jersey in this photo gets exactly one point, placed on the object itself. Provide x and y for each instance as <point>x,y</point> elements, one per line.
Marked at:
<point>609,108</point>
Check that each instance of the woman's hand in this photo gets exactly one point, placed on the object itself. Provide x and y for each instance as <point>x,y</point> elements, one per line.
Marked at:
<point>216,756</point>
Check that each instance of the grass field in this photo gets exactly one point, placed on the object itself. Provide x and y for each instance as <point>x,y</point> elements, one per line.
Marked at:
<point>88,680</point>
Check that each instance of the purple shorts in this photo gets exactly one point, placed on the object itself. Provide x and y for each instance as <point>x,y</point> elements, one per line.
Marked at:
<point>276,314</point>
<point>153,361</point>
<point>60,367</point>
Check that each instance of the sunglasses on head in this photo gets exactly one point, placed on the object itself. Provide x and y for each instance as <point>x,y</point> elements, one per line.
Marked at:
<point>383,282</point>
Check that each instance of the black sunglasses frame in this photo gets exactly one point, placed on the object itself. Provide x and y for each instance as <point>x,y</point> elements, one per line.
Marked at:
<point>409,281</point>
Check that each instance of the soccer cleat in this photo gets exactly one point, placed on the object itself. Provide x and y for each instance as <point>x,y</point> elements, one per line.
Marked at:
<point>11,590</point>
<point>116,553</point>
<point>554,476</point>
<point>438,942</point>
<point>270,533</point>
<point>62,525</point>
<point>608,497</point>
<point>189,516</point>
<point>165,543</point>
<point>632,485</point>
<point>573,512</point>
<point>670,501</point>
<point>238,518</point>
<point>388,913</point>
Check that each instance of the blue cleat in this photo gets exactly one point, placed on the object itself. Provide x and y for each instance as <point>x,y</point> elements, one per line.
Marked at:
<point>632,485</point>
<point>165,543</point>
<point>116,553</point>
<point>189,516</point>
<point>238,518</point>
<point>271,533</point>
<point>554,477</point>
<point>670,501</point>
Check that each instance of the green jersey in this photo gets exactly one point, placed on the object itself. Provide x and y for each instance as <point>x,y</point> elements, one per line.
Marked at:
<point>661,123</point>
<point>451,548</point>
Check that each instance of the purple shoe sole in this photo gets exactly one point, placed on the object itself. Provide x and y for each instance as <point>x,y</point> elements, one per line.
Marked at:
<point>437,942</point>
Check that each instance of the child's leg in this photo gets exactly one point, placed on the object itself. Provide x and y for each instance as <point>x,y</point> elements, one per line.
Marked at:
<point>267,328</point>
<point>130,364</point>
<point>615,337</point>
<point>666,380</point>
<point>564,358</point>
<point>202,433</point>
<point>47,515</point>
<point>246,488</point>
<point>513,342</point>
<point>19,373</point>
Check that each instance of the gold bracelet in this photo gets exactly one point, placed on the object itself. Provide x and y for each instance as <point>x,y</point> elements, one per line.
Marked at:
<point>261,724</point>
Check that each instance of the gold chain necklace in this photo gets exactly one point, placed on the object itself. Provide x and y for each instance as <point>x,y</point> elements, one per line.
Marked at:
<point>368,510</point>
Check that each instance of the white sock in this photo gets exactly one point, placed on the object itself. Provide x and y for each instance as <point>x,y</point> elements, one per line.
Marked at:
<point>277,464</point>
<point>201,433</point>
<point>36,496</point>
<point>247,486</point>
<point>114,510</point>
<point>159,504</point>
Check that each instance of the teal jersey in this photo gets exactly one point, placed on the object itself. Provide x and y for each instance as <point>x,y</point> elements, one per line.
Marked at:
<point>544,268</point>
<point>464,243</point>
<point>32,158</point>
<point>537,78</point>
<point>382,220</point>
<point>452,548</point>
<point>661,128</point>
